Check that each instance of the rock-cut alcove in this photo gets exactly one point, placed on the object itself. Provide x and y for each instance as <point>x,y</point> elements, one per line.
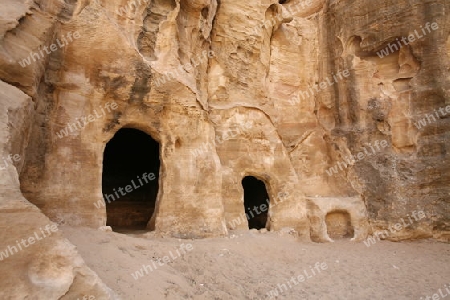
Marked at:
<point>256,202</point>
<point>339,224</point>
<point>130,179</point>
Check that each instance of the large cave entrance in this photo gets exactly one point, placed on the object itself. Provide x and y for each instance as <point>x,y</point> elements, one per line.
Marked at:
<point>256,202</point>
<point>130,179</point>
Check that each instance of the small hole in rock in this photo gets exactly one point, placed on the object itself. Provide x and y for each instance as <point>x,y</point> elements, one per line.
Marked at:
<point>205,12</point>
<point>339,225</point>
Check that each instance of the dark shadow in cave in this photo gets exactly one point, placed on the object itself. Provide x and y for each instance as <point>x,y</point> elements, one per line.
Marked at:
<point>130,179</point>
<point>256,202</point>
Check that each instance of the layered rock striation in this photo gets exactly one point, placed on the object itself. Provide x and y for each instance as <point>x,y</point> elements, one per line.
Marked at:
<point>332,104</point>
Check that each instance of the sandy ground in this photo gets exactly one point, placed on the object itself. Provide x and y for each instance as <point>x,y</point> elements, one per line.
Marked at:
<point>248,265</point>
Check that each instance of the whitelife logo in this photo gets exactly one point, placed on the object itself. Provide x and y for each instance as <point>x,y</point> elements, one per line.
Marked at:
<point>31,240</point>
<point>229,134</point>
<point>430,118</point>
<point>397,227</point>
<point>321,86</point>
<point>351,160</point>
<point>262,209</point>
<point>165,260</point>
<point>300,278</point>
<point>86,297</point>
<point>81,123</point>
<point>182,69</point>
<point>391,48</point>
<point>11,158</point>
<point>127,9</point>
<point>53,47</point>
<point>128,189</point>
<point>437,296</point>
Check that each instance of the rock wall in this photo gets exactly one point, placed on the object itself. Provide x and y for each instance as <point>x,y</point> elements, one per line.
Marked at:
<point>285,91</point>
<point>36,261</point>
<point>385,98</point>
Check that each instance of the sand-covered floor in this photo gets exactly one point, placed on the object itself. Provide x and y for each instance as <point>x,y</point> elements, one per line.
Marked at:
<point>251,265</point>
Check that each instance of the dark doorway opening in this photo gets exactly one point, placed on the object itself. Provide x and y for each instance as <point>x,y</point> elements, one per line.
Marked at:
<point>256,202</point>
<point>130,179</point>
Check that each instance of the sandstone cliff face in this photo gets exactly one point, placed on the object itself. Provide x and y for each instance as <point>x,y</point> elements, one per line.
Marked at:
<point>36,261</point>
<point>387,98</point>
<point>281,92</point>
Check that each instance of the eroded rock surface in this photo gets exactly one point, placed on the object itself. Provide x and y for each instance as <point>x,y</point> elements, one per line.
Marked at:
<point>289,93</point>
<point>36,261</point>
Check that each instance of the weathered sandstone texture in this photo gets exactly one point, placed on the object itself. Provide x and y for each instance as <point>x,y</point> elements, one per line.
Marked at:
<point>282,92</point>
<point>35,263</point>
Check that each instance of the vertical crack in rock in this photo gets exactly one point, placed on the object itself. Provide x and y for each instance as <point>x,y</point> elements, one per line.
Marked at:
<point>156,13</point>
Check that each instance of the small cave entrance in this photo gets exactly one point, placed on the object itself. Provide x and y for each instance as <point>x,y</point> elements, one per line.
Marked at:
<point>130,179</point>
<point>339,225</point>
<point>256,202</point>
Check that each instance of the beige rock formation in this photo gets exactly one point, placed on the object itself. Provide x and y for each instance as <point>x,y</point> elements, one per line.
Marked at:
<point>289,92</point>
<point>36,261</point>
<point>258,68</point>
<point>321,208</point>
